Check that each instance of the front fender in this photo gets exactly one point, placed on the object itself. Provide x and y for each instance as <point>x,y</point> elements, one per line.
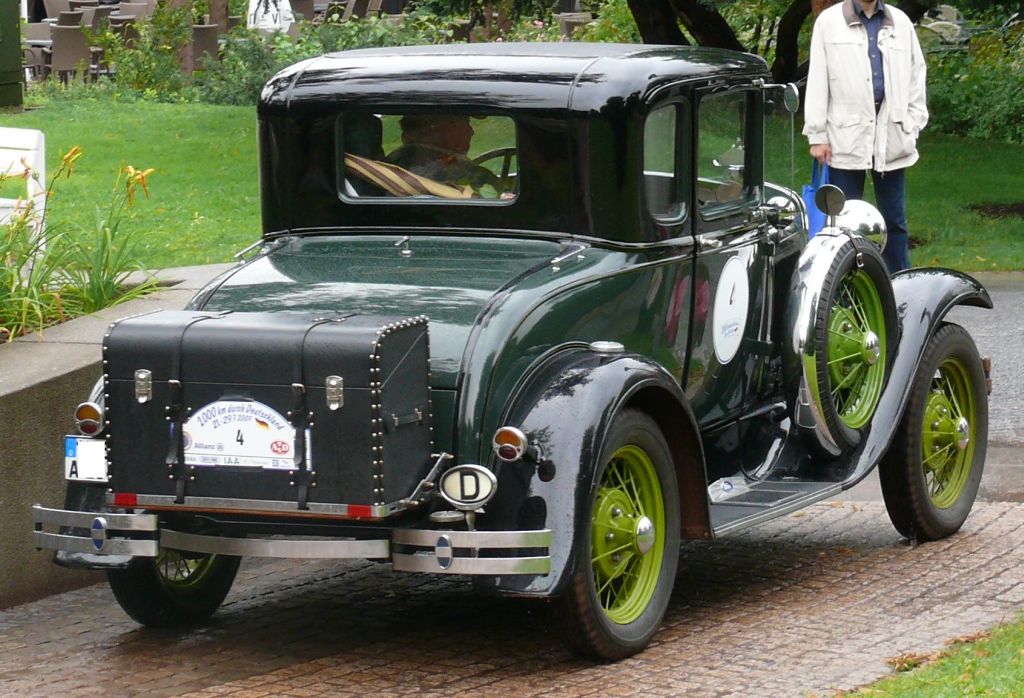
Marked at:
<point>923,299</point>
<point>565,409</point>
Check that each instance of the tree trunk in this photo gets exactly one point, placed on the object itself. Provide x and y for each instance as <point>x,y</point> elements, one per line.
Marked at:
<point>785,67</point>
<point>219,14</point>
<point>705,24</point>
<point>657,22</point>
<point>915,9</point>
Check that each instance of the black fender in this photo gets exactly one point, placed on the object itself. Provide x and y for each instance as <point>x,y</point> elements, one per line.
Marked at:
<point>923,299</point>
<point>565,407</point>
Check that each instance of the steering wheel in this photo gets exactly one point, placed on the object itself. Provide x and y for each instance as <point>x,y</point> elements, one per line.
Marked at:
<point>506,155</point>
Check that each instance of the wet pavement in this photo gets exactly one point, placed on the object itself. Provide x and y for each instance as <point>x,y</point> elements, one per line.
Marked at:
<point>810,603</point>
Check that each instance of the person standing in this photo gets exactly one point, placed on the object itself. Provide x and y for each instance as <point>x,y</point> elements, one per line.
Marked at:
<point>865,106</point>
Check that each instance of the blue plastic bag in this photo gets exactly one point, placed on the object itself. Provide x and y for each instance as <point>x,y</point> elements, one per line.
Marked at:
<point>815,217</point>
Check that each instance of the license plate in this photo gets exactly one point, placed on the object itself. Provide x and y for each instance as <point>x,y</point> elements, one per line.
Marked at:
<point>85,459</point>
<point>240,434</point>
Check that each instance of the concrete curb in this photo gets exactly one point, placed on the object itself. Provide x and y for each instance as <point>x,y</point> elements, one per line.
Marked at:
<point>43,376</point>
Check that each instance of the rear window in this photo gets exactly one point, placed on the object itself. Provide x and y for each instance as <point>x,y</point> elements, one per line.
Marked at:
<point>436,155</point>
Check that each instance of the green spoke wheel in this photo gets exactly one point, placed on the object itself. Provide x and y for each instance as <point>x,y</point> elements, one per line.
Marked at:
<point>628,552</point>
<point>930,474</point>
<point>856,345</point>
<point>853,339</point>
<point>175,588</point>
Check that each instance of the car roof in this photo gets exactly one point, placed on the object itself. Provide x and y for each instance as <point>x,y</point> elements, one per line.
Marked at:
<point>567,75</point>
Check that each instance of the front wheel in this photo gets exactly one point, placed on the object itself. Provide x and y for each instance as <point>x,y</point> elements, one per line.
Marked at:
<point>931,473</point>
<point>175,588</point>
<point>626,555</point>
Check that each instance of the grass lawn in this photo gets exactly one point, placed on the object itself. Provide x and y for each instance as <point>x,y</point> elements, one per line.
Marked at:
<point>993,666</point>
<point>205,191</point>
<point>205,203</point>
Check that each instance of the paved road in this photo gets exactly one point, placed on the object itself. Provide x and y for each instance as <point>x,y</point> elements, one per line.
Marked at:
<point>809,603</point>
<point>816,601</point>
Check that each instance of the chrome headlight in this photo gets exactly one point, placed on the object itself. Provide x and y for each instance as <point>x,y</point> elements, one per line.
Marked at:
<point>863,219</point>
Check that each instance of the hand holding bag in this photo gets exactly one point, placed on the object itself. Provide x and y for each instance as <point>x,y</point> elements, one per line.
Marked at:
<point>815,217</point>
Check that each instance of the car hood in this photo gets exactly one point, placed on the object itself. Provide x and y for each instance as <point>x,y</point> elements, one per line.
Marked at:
<point>448,279</point>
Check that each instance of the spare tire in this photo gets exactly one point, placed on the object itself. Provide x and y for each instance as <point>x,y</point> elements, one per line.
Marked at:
<point>853,342</point>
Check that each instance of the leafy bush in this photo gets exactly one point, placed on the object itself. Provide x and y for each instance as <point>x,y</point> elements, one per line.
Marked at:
<point>150,64</point>
<point>976,92</point>
<point>249,57</point>
<point>614,23</point>
<point>51,275</point>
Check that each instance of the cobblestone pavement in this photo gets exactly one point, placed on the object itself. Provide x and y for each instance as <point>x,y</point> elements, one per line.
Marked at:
<point>812,602</point>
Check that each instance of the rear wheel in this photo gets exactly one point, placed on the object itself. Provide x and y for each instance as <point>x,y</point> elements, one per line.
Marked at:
<point>627,555</point>
<point>175,588</point>
<point>931,473</point>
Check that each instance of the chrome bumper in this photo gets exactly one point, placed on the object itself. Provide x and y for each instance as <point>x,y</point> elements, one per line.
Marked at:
<point>419,550</point>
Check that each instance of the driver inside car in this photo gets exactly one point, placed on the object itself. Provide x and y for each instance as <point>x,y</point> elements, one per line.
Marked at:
<point>436,146</point>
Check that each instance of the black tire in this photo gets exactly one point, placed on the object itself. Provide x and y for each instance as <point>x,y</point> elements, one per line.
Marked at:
<point>919,506</point>
<point>592,629</point>
<point>857,265</point>
<point>174,589</point>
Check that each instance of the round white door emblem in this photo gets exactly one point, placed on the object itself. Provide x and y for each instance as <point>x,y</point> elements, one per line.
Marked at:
<point>729,318</point>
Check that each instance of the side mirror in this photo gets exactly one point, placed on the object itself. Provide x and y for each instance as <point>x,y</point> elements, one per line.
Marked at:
<point>830,200</point>
<point>791,98</point>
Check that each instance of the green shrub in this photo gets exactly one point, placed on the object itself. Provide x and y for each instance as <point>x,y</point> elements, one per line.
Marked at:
<point>151,64</point>
<point>976,92</point>
<point>614,23</point>
<point>51,275</point>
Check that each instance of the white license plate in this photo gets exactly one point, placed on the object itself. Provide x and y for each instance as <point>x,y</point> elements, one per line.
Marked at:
<point>240,434</point>
<point>85,459</point>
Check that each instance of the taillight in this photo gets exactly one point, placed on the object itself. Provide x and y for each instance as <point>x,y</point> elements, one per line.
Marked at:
<point>89,416</point>
<point>509,444</point>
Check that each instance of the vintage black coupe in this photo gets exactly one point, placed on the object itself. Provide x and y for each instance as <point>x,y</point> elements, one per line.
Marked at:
<point>528,313</point>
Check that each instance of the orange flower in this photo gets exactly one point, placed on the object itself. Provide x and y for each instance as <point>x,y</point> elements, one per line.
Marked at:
<point>68,159</point>
<point>135,179</point>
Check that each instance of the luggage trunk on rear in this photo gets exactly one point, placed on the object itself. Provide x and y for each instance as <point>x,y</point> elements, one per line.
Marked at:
<point>275,407</point>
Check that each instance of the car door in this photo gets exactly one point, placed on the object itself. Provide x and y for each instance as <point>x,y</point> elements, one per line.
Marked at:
<point>728,351</point>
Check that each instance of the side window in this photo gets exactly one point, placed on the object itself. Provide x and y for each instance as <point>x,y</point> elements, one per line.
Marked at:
<point>661,181</point>
<point>721,152</point>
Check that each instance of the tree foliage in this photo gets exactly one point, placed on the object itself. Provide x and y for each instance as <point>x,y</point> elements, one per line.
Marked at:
<point>779,30</point>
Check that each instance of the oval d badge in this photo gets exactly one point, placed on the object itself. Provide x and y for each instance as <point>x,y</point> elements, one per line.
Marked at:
<point>98,532</point>
<point>468,487</point>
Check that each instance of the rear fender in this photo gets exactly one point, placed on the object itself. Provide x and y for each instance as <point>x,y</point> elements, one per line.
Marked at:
<point>565,408</point>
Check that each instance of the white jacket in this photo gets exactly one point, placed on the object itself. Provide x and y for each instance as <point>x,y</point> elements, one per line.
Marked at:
<point>839,107</point>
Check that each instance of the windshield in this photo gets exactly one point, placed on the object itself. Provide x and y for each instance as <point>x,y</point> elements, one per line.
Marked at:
<point>437,155</point>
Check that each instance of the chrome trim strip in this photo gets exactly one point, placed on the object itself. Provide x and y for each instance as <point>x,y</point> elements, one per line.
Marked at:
<point>776,511</point>
<point>276,547</point>
<point>84,519</point>
<point>427,562</point>
<point>379,511</point>
<point>112,546</point>
<point>474,539</point>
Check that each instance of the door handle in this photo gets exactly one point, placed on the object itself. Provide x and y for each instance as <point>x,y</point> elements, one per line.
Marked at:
<point>707,242</point>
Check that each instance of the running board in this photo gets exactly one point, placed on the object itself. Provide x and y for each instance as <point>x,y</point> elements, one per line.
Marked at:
<point>765,501</point>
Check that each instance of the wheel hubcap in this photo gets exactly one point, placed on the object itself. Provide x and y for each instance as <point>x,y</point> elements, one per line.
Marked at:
<point>178,570</point>
<point>947,439</point>
<point>627,543</point>
<point>856,343</point>
<point>644,535</point>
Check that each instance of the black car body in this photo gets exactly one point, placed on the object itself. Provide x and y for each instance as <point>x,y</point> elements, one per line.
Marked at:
<point>544,374</point>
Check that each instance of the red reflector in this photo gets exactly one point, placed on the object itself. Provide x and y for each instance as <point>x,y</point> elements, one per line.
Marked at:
<point>360,510</point>
<point>123,499</point>
<point>508,452</point>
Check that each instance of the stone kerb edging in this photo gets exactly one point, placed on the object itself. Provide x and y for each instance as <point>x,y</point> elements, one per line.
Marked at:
<point>43,376</point>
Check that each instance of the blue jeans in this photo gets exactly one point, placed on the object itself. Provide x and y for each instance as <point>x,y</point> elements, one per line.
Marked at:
<point>890,193</point>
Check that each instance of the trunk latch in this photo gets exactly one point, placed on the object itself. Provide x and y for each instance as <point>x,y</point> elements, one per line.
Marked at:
<point>143,385</point>
<point>335,388</point>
